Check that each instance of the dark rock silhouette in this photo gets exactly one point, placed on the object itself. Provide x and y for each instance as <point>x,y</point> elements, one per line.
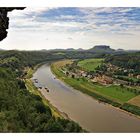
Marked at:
<point>4,20</point>
<point>101,49</point>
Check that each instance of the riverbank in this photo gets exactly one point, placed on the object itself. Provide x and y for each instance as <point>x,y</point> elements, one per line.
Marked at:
<point>81,108</point>
<point>83,87</point>
<point>34,90</point>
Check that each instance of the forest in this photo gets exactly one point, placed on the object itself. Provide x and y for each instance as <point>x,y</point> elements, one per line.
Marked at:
<point>20,110</point>
<point>128,61</point>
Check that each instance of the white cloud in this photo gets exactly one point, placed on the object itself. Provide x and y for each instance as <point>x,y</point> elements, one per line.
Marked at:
<point>29,30</point>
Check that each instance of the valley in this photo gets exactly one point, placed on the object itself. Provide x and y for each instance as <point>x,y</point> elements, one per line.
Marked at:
<point>95,82</point>
<point>86,77</point>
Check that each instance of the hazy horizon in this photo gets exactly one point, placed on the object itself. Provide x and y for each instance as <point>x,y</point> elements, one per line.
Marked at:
<point>63,49</point>
<point>62,28</point>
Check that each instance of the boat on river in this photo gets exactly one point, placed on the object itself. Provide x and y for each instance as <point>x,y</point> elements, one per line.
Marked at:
<point>46,89</point>
<point>35,80</point>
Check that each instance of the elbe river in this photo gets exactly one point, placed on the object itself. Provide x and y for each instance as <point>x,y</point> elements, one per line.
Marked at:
<point>86,111</point>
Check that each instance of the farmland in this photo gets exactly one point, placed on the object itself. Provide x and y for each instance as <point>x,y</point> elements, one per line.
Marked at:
<point>135,101</point>
<point>111,92</point>
<point>90,64</point>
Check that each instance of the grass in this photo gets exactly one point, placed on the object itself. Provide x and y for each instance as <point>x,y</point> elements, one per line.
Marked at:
<point>90,64</point>
<point>113,93</point>
<point>131,108</point>
<point>60,64</point>
<point>56,66</point>
<point>135,101</point>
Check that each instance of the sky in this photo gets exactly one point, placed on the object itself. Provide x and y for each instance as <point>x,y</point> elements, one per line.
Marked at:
<point>71,27</point>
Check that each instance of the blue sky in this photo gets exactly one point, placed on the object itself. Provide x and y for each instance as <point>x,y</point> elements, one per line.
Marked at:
<point>49,28</point>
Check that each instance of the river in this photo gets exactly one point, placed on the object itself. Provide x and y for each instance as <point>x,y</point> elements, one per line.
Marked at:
<point>88,112</point>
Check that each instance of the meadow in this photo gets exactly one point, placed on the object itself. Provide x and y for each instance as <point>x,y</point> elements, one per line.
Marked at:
<point>135,101</point>
<point>90,64</point>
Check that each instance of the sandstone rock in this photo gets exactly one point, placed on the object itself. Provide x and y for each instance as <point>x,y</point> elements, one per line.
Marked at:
<point>4,20</point>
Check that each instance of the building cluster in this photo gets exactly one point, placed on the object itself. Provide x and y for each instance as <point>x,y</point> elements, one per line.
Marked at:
<point>102,77</point>
<point>131,75</point>
<point>97,78</point>
<point>112,68</point>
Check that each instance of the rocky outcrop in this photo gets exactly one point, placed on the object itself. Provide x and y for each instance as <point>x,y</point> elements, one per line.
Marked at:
<point>4,20</point>
<point>101,49</point>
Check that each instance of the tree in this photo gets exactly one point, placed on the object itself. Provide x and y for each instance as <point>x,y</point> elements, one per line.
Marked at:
<point>121,85</point>
<point>73,76</point>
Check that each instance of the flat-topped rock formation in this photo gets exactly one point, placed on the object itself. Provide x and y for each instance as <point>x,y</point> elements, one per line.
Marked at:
<point>101,49</point>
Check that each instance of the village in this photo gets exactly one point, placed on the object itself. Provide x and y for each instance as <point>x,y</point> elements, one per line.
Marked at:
<point>104,75</point>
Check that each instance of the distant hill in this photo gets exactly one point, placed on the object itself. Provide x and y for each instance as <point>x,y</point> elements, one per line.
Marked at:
<point>70,49</point>
<point>120,50</point>
<point>98,49</point>
<point>95,49</point>
<point>101,49</point>
<point>80,49</point>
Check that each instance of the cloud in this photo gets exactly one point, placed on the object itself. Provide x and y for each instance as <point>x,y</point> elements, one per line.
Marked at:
<point>88,19</point>
<point>70,38</point>
<point>76,26</point>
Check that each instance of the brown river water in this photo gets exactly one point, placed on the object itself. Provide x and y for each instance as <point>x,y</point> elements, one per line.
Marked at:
<point>88,112</point>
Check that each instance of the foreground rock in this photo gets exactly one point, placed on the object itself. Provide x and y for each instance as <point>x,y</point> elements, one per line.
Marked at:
<point>4,20</point>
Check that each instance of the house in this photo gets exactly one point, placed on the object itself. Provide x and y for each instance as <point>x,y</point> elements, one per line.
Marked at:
<point>73,75</point>
<point>103,79</point>
<point>95,80</point>
<point>89,76</point>
<point>138,76</point>
<point>107,79</point>
<point>112,68</point>
<point>119,82</point>
<point>130,75</point>
<point>81,72</point>
<point>125,70</point>
<point>84,74</point>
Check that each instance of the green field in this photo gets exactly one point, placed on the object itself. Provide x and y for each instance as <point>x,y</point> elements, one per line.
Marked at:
<point>113,93</point>
<point>90,64</point>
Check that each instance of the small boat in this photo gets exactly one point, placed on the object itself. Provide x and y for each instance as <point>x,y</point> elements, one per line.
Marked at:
<point>47,89</point>
<point>40,87</point>
<point>36,81</point>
